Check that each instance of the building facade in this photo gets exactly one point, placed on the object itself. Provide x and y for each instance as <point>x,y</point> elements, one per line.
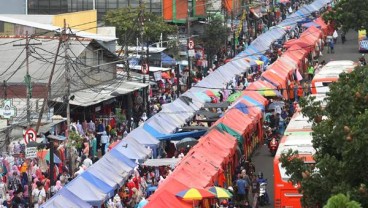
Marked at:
<point>102,6</point>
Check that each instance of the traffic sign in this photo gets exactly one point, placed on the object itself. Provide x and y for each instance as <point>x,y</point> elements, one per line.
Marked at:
<point>191,44</point>
<point>145,68</point>
<point>30,135</point>
<point>191,53</point>
<point>31,152</point>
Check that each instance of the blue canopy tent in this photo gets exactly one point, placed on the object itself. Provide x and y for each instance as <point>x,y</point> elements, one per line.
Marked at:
<point>88,192</point>
<point>113,169</point>
<point>65,198</point>
<point>131,149</point>
<point>144,138</point>
<point>167,60</point>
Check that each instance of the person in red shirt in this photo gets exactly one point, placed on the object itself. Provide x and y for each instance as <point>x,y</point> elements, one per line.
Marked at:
<point>130,186</point>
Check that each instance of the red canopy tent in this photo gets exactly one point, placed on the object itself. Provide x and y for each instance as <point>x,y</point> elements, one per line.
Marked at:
<point>298,54</point>
<point>304,45</point>
<point>170,185</point>
<point>324,26</point>
<point>255,95</point>
<point>255,114</point>
<point>236,120</point>
<point>167,199</point>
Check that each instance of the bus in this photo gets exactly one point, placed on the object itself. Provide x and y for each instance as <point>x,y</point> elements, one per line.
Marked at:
<point>286,194</point>
<point>297,136</point>
<point>362,41</point>
<point>330,73</point>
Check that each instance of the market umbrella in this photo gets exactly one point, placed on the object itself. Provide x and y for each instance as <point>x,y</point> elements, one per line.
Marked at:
<point>45,154</point>
<point>267,92</point>
<point>195,194</point>
<point>212,93</point>
<point>204,97</point>
<point>273,105</point>
<point>220,193</point>
<point>185,142</point>
<point>234,96</point>
<point>142,203</point>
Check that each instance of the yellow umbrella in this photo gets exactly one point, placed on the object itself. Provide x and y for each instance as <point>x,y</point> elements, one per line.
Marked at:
<point>195,194</point>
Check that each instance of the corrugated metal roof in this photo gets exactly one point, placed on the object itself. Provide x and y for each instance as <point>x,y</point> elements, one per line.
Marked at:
<point>40,60</point>
<point>103,92</point>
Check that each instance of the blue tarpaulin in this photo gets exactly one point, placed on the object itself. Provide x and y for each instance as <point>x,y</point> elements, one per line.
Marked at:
<point>173,136</point>
<point>242,107</point>
<point>254,102</point>
<point>167,60</point>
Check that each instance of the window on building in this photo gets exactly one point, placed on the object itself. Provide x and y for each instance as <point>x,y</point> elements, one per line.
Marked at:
<point>2,28</point>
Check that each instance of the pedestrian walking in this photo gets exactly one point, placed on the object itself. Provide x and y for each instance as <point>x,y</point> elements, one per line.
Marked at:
<point>104,141</point>
<point>310,72</point>
<point>343,38</point>
<point>335,36</point>
<point>332,46</point>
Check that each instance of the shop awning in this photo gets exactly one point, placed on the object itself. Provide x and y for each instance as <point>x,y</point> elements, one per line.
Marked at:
<point>172,136</point>
<point>103,92</point>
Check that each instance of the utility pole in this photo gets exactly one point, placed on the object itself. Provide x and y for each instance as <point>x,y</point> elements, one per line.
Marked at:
<point>188,39</point>
<point>177,73</point>
<point>27,77</point>
<point>67,94</point>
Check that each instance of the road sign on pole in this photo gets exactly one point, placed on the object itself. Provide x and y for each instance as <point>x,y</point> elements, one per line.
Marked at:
<point>31,152</point>
<point>30,135</point>
<point>191,44</point>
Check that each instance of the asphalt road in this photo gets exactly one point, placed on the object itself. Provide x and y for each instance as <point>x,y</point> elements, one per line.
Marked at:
<point>262,157</point>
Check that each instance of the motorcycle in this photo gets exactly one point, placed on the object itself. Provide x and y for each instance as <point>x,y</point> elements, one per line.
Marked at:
<point>274,144</point>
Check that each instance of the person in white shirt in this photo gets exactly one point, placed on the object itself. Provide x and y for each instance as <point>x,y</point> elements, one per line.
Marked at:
<point>38,195</point>
<point>87,162</point>
<point>104,140</point>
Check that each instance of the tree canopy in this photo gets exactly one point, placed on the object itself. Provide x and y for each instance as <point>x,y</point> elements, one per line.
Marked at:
<point>214,36</point>
<point>341,142</point>
<point>341,201</point>
<point>350,14</point>
<point>128,25</point>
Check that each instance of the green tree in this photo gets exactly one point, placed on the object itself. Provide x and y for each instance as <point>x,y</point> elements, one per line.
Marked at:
<point>128,26</point>
<point>215,34</point>
<point>340,140</point>
<point>341,201</point>
<point>350,14</point>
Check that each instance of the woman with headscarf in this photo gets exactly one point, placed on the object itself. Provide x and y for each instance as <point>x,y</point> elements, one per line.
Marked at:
<point>57,186</point>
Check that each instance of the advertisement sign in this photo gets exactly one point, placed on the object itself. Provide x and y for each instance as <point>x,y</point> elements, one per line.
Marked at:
<point>7,109</point>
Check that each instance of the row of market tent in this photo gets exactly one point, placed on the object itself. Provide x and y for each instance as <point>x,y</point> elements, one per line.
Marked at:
<point>226,139</point>
<point>238,130</point>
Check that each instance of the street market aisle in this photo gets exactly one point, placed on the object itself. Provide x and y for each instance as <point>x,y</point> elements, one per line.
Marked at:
<point>262,157</point>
